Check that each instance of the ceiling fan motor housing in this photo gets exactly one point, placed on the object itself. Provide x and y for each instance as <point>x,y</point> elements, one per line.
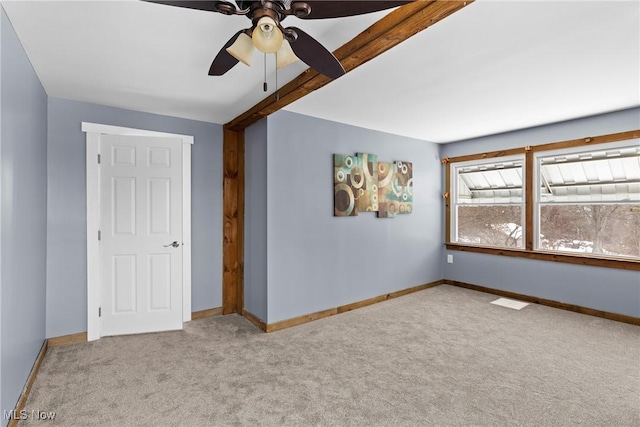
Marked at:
<point>269,8</point>
<point>298,8</point>
<point>277,11</point>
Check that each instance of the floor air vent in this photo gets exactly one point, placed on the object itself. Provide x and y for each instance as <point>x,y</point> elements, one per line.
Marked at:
<point>510,303</point>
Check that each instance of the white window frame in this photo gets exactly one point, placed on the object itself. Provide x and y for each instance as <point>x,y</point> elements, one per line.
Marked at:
<point>537,202</point>
<point>453,238</point>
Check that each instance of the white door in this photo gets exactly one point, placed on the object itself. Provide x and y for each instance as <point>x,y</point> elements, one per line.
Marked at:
<point>140,234</point>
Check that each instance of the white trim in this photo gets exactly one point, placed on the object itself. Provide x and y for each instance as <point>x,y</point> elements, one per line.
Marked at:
<point>93,225</point>
<point>186,230</point>
<point>118,130</point>
<point>453,179</point>
<point>93,132</point>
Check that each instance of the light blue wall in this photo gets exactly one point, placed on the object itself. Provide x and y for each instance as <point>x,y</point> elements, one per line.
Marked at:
<point>255,220</point>
<point>66,260</point>
<point>23,157</point>
<point>318,261</point>
<point>591,126</point>
<point>607,289</point>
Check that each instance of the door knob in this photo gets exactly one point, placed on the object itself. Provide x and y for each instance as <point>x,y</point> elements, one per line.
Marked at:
<point>175,244</point>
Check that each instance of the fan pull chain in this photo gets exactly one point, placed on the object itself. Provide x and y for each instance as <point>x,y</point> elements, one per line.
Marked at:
<point>264,85</point>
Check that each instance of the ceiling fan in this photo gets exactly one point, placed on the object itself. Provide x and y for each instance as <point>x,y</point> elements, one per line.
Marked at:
<point>269,36</point>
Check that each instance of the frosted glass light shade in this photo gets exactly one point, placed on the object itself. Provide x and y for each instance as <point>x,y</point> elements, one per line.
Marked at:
<point>285,55</point>
<point>242,49</point>
<point>267,37</point>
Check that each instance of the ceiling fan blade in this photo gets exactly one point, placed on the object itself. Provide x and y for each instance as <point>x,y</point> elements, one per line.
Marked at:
<point>312,53</point>
<point>223,61</point>
<point>321,9</point>
<point>208,5</point>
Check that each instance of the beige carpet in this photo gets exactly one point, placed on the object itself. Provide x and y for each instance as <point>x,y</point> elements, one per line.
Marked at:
<point>444,356</point>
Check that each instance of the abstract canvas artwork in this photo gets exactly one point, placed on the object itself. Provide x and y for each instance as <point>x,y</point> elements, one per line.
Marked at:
<point>367,194</point>
<point>395,189</point>
<point>345,172</point>
<point>362,184</point>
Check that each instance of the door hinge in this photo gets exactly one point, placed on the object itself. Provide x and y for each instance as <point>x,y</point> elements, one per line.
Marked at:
<point>99,311</point>
<point>98,158</point>
<point>99,235</point>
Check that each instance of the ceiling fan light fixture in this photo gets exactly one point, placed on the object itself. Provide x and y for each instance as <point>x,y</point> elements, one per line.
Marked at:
<point>242,49</point>
<point>267,37</point>
<point>285,55</point>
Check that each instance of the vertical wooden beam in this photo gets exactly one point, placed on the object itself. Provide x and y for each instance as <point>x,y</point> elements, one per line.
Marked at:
<point>233,221</point>
<point>528,203</point>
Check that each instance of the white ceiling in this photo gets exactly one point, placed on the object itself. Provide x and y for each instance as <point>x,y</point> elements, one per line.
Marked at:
<point>492,67</point>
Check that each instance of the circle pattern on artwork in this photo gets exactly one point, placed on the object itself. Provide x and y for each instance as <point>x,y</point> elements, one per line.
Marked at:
<point>357,177</point>
<point>344,200</point>
<point>348,162</point>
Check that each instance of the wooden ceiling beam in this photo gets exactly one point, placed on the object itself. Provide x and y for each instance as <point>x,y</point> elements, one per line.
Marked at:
<point>393,29</point>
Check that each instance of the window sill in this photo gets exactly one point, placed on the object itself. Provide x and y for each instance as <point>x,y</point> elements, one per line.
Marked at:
<point>600,261</point>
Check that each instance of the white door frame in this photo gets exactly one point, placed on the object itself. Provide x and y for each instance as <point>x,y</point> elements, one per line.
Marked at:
<point>93,132</point>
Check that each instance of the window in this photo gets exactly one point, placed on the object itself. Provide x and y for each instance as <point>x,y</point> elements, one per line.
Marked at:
<point>574,201</point>
<point>588,201</point>
<point>488,203</point>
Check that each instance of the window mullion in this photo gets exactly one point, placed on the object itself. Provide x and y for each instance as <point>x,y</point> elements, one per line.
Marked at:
<point>529,204</point>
